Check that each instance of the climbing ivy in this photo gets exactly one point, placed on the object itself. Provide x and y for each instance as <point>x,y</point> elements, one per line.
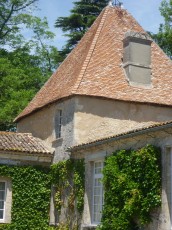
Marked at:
<point>132,184</point>
<point>30,197</point>
<point>68,178</point>
<point>31,188</point>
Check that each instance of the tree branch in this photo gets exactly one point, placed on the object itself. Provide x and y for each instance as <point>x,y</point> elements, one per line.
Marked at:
<point>2,16</point>
<point>5,34</point>
<point>23,7</point>
<point>47,53</point>
<point>7,19</point>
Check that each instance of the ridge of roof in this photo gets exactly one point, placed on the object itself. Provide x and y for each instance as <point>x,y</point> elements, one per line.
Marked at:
<point>90,52</point>
<point>74,62</point>
<point>22,142</point>
<point>94,67</point>
<point>134,132</point>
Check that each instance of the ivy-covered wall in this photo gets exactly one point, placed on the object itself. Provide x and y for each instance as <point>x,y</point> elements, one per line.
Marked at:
<point>31,190</point>
<point>69,179</point>
<point>132,185</point>
<point>30,197</point>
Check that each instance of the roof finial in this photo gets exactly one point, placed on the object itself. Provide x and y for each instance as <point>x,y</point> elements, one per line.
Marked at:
<point>118,3</point>
<point>110,3</point>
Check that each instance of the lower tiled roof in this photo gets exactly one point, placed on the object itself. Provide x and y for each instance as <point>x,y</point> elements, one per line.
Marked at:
<point>22,142</point>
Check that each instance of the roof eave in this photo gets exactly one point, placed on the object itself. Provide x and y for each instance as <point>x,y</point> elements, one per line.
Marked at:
<point>18,118</point>
<point>26,157</point>
<point>30,153</point>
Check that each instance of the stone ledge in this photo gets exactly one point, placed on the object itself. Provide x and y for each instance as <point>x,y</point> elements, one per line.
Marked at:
<point>57,142</point>
<point>89,227</point>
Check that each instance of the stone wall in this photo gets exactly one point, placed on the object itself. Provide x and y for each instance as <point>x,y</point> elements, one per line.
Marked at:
<point>42,124</point>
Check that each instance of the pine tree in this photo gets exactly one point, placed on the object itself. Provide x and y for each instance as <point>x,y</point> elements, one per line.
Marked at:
<point>81,18</point>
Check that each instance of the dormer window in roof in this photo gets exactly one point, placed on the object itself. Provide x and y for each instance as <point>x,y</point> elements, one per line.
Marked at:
<point>137,58</point>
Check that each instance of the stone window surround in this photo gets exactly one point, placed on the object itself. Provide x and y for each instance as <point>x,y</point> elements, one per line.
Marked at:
<point>97,176</point>
<point>168,174</point>
<point>3,191</point>
<point>8,200</point>
<point>58,123</point>
<point>89,160</point>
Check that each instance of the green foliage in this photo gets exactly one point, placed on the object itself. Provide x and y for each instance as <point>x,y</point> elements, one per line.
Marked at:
<point>48,55</point>
<point>31,187</point>
<point>164,36</point>
<point>132,183</point>
<point>30,197</point>
<point>13,15</point>
<point>20,78</point>
<point>82,16</point>
<point>26,67</point>
<point>68,178</point>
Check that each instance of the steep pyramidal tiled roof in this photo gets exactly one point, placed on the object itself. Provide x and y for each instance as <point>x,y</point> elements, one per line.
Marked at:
<point>21,142</point>
<point>94,67</point>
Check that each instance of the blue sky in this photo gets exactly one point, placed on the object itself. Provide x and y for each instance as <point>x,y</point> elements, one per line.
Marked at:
<point>146,12</point>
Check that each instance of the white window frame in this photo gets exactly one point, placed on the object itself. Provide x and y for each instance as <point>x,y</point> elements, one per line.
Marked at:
<point>7,200</point>
<point>170,184</point>
<point>97,176</point>
<point>168,173</point>
<point>5,196</point>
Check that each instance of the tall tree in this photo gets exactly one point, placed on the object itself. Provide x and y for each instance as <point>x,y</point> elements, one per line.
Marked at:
<point>26,65</point>
<point>164,36</point>
<point>48,54</point>
<point>20,78</point>
<point>16,15</point>
<point>21,75</point>
<point>81,18</point>
<point>13,14</point>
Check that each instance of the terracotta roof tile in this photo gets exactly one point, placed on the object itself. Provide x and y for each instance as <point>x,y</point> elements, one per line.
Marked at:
<point>21,142</point>
<point>94,67</point>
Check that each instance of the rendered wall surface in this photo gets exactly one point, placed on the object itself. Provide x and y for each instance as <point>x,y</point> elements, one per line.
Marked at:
<point>85,119</point>
<point>40,124</point>
<point>97,118</point>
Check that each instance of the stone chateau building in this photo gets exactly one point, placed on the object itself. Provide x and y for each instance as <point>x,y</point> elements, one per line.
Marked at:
<point>113,91</point>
